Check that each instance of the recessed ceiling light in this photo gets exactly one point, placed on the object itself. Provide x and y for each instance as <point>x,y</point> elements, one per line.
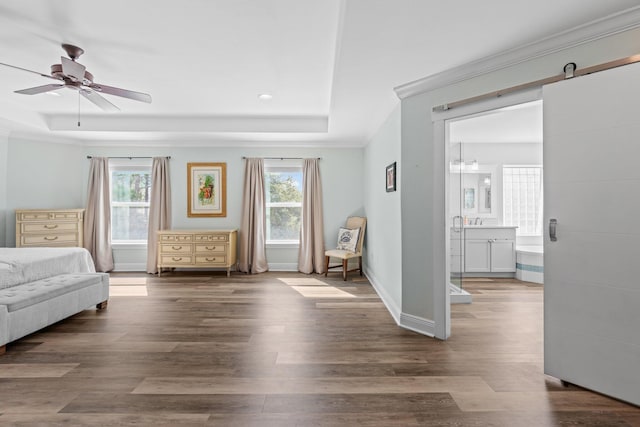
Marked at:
<point>265,97</point>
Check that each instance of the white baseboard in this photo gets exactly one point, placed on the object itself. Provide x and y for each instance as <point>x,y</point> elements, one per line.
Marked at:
<point>129,266</point>
<point>407,321</point>
<point>391,305</point>
<point>418,324</point>
<point>132,266</point>
<point>283,266</point>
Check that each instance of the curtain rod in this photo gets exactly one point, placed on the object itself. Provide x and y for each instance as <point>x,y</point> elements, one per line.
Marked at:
<point>570,71</point>
<point>131,157</point>
<point>284,158</point>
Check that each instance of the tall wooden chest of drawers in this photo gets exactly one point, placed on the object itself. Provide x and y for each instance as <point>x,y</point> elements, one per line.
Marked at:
<point>49,227</point>
<point>197,249</point>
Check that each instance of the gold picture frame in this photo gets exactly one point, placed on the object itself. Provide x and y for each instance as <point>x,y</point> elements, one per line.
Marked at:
<point>206,189</point>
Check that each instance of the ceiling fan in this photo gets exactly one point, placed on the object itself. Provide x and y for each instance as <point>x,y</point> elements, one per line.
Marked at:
<point>74,75</point>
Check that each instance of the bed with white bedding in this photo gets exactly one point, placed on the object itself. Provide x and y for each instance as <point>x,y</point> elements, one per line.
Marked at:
<point>23,265</point>
<point>41,286</point>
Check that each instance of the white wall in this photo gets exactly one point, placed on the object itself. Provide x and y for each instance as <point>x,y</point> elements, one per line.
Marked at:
<point>383,255</point>
<point>422,213</point>
<point>341,171</point>
<point>4,214</point>
<point>41,175</point>
<point>420,204</point>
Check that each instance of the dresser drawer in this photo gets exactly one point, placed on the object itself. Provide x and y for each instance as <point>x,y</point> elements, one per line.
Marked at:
<point>48,227</point>
<point>211,237</point>
<point>211,260</point>
<point>176,238</point>
<point>49,239</point>
<point>176,260</point>
<point>211,248</point>
<point>176,248</point>
<point>33,216</point>
<point>66,215</point>
<point>51,215</point>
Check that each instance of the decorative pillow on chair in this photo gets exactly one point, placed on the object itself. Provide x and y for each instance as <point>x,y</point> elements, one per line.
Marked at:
<point>348,239</point>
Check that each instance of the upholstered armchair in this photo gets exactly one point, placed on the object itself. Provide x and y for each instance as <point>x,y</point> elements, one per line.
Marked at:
<point>350,240</point>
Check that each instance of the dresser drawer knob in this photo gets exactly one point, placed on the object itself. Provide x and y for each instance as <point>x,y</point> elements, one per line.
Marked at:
<point>176,259</point>
<point>210,259</point>
<point>176,248</point>
<point>50,238</point>
<point>50,227</point>
<point>210,248</point>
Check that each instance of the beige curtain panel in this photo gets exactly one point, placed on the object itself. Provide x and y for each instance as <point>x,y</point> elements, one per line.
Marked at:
<point>253,257</point>
<point>97,220</point>
<point>311,252</point>
<point>159,209</point>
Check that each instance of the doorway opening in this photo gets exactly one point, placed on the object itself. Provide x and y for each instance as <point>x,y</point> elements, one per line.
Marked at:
<point>494,197</point>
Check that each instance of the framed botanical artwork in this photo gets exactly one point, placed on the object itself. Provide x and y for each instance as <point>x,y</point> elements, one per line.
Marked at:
<point>391,177</point>
<point>206,189</point>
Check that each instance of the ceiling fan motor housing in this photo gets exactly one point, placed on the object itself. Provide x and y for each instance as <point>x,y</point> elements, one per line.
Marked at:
<point>56,71</point>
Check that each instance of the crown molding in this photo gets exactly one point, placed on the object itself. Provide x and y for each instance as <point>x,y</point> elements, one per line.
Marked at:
<point>595,30</point>
<point>208,123</point>
<point>226,143</point>
<point>203,141</point>
<point>44,137</point>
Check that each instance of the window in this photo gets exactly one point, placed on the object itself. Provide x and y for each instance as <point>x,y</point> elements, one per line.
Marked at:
<point>130,192</point>
<point>522,202</point>
<point>283,188</point>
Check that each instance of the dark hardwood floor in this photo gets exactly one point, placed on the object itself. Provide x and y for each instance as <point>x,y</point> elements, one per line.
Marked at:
<point>286,349</point>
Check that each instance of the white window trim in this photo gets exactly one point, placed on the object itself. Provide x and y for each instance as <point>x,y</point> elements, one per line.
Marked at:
<point>134,164</point>
<point>272,165</point>
<point>283,244</point>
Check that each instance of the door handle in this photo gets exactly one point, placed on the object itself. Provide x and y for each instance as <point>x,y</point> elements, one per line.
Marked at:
<point>553,223</point>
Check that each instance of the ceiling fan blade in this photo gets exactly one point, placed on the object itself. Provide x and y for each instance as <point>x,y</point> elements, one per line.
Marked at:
<point>29,71</point>
<point>138,96</point>
<point>39,89</point>
<point>73,69</point>
<point>98,100</point>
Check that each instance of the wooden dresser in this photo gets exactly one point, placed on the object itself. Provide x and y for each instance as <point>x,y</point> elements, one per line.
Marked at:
<point>197,249</point>
<point>49,227</point>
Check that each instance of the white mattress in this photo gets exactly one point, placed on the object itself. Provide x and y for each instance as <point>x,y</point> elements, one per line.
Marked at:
<point>22,265</point>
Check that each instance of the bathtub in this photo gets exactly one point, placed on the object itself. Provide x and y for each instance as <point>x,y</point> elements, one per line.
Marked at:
<point>530,263</point>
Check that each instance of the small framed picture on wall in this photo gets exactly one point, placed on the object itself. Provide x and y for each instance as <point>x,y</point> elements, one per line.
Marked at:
<point>391,177</point>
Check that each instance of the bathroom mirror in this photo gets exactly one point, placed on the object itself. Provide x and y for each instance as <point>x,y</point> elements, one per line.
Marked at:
<point>477,192</point>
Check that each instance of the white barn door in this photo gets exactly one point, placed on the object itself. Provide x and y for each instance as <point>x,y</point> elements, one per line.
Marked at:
<point>592,270</point>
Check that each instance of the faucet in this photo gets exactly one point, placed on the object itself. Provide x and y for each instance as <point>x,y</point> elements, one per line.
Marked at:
<point>478,221</point>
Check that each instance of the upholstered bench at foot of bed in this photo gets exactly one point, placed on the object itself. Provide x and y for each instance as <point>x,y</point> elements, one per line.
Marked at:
<point>29,307</point>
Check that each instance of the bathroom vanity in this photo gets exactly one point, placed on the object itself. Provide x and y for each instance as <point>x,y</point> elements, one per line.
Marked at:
<point>484,249</point>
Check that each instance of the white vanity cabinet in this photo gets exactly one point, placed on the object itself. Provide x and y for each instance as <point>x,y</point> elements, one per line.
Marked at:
<point>489,249</point>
